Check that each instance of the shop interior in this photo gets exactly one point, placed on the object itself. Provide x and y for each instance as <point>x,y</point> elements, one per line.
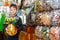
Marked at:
<point>40,19</point>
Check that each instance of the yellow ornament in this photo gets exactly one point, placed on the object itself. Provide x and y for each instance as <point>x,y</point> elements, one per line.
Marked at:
<point>11,30</point>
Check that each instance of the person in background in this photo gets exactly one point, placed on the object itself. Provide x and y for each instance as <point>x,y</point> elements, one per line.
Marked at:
<point>13,10</point>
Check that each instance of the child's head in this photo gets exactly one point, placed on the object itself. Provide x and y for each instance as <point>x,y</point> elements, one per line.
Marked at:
<point>13,8</point>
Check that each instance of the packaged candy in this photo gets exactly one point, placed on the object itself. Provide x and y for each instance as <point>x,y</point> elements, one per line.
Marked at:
<point>53,3</point>
<point>29,2</point>
<point>55,17</point>
<point>38,31</point>
<point>44,19</point>
<point>54,33</point>
<point>38,18</point>
<point>42,32</point>
<point>39,5</point>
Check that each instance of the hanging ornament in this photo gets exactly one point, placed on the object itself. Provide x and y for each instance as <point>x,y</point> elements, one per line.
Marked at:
<point>11,30</point>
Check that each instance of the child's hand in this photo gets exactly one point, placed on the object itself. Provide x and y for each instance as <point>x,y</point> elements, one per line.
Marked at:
<point>6,30</point>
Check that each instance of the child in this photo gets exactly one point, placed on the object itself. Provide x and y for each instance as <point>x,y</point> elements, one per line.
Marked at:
<point>13,10</point>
